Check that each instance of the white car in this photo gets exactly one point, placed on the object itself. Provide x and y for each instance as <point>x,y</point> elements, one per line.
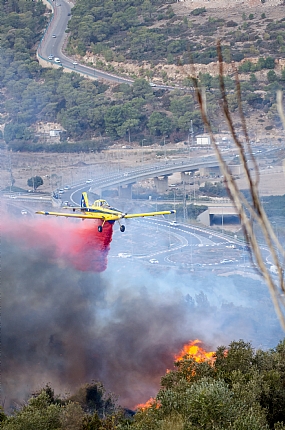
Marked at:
<point>124,255</point>
<point>173,223</point>
<point>153,261</point>
<point>57,60</point>
<point>89,181</point>
<point>24,212</point>
<point>50,57</point>
<point>54,36</point>
<point>74,63</point>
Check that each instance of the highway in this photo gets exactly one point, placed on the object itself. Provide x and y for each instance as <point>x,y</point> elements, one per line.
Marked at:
<point>50,45</point>
<point>160,242</point>
<point>163,243</point>
<point>157,242</point>
<point>129,176</point>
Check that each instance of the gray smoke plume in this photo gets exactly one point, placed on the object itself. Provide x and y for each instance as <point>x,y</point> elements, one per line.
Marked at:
<point>122,327</point>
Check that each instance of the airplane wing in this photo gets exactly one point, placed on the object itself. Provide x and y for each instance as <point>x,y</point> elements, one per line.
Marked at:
<point>91,215</point>
<point>149,214</point>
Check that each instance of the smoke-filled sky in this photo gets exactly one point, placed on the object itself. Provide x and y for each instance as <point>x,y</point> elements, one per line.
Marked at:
<point>66,325</point>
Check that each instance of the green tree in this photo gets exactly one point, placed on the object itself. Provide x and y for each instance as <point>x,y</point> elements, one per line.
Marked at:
<point>127,126</point>
<point>72,417</point>
<point>147,8</point>
<point>198,11</point>
<point>271,76</point>
<point>35,182</point>
<point>38,414</point>
<point>159,124</point>
<point>3,416</point>
<point>245,67</point>
<point>180,105</point>
<point>252,78</point>
<point>141,88</point>
<point>206,80</point>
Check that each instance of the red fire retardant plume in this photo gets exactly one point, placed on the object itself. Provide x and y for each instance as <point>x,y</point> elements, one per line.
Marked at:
<point>74,243</point>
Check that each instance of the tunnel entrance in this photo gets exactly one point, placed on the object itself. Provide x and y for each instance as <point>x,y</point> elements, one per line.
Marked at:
<point>224,219</point>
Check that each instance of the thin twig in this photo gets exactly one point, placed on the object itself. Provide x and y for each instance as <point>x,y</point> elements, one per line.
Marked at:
<point>250,211</point>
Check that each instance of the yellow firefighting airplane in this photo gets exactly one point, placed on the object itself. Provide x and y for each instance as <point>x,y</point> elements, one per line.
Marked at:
<point>100,209</point>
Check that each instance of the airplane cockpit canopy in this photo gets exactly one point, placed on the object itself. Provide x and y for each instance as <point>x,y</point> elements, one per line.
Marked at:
<point>92,198</point>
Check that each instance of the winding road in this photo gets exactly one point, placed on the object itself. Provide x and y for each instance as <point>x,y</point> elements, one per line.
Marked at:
<point>50,45</point>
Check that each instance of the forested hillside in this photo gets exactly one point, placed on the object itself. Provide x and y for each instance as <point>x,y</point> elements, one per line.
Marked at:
<point>149,34</point>
<point>155,31</point>
<point>85,109</point>
<point>241,388</point>
<point>158,40</point>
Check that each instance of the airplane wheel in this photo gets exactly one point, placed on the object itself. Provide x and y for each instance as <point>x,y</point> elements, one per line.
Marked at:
<point>100,228</point>
<point>122,228</point>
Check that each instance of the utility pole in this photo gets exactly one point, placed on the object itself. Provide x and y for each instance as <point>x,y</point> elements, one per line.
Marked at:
<point>190,132</point>
<point>142,150</point>
<point>184,202</point>
<point>11,174</point>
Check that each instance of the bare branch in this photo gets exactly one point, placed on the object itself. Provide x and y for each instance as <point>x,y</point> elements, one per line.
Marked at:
<point>249,210</point>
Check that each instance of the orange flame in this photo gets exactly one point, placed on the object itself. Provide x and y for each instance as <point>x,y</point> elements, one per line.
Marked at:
<point>148,404</point>
<point>194,350</point>
<point>197,352</point>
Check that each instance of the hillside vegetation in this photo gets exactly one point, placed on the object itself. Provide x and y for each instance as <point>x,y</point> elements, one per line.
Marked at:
<point>241,389</point>
<point>152,37</point>
<point>151,31</point>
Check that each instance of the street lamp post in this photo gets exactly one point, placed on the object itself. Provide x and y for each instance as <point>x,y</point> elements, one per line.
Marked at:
<point>33,179</point>
<point>142,149</point>
<point>190,132</point>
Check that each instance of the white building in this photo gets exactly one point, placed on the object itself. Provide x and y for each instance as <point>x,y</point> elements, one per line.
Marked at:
<point>203,140</point>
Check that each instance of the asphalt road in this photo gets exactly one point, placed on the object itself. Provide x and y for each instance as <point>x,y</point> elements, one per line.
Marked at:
<point>53,46</point>
<point>159,241</point>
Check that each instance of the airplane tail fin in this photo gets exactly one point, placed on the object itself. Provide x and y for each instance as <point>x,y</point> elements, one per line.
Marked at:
<point>84,201</point>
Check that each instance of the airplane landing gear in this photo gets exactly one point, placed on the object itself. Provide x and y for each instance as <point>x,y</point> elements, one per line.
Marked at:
<point>122,228</point>
<point>100,228</point>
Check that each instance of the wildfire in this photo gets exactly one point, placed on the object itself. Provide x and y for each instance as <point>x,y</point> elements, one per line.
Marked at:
<point>194,350</point>
<point>197,352</point>
<point>148,404</point>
